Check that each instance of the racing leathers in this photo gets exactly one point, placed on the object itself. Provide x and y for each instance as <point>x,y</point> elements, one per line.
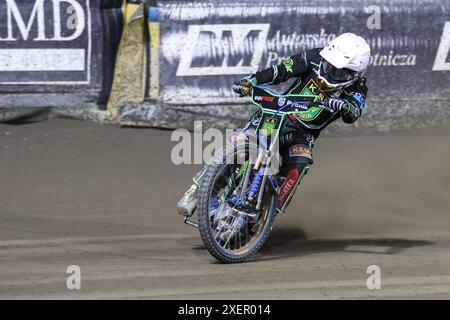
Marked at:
<point>302,129</point>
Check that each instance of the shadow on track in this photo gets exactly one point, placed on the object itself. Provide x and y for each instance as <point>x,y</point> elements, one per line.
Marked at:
<point>292,242</point>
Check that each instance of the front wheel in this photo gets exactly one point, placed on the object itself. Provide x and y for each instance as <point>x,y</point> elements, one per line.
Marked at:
<point>231,234</point>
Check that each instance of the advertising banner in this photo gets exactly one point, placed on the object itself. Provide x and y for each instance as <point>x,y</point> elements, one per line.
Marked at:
<point>206,46</point>
<point>56,53</point>
<point>45,42</point>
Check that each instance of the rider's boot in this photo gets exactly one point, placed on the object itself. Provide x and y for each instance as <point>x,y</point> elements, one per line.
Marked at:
<point>187,205</point>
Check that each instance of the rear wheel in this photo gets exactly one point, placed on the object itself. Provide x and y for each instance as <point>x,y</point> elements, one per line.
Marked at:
<point>230,234</point>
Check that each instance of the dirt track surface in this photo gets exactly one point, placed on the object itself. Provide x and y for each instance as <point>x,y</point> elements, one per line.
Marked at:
<point>103,198</point>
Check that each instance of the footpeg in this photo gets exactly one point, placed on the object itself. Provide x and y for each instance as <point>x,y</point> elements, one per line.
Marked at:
<point>190,223</point>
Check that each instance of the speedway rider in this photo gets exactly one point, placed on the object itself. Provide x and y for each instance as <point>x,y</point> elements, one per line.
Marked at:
<point>335,76</point>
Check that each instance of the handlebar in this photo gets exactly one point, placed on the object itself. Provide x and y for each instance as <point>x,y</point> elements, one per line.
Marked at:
<point>247,90</point>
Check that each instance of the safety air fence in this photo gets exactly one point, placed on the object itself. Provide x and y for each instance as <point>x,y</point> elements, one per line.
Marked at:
<point>170,63</point>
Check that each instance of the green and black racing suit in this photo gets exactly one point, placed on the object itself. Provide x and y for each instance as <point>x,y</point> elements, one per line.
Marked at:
<point>301,130</point>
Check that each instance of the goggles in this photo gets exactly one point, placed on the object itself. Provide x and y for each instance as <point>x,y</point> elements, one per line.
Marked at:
<point>338,74</point>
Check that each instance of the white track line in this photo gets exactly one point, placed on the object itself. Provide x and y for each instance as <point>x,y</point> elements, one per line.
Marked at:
<point>439,284</point>
<point>6,244</point>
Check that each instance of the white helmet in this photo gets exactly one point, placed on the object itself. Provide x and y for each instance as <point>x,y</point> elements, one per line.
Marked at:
<point>345,59</point>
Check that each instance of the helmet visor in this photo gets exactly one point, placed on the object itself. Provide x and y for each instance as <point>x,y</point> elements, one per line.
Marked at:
<point>337,74</point>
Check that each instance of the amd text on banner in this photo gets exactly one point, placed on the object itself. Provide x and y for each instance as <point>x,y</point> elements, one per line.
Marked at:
<point>206,45</point>
<point>54,53</point>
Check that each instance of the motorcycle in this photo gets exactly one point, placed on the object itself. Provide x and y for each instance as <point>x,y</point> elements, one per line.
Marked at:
<point>237,195</point>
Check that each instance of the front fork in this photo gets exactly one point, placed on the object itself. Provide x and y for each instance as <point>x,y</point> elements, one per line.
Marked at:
<point>264,159</point>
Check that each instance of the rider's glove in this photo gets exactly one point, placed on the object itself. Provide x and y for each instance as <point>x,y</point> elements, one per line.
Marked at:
<point>237,87</point>
<point>337,105</point>
<point>243,86</point>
